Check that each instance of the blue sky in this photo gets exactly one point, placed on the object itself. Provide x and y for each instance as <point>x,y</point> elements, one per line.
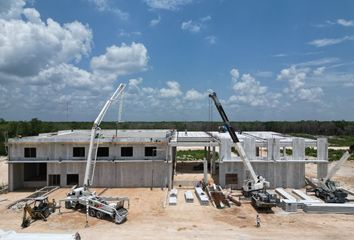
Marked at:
<point>267,60</point>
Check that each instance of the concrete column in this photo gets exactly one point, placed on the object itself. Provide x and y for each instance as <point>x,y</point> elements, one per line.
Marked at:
<point>205,168</point>
<point>225,149</point>
<point>250,148</point>
<point>276,148</point>
<point>10,177</point>
<point>221,174</point>
<point>270,149</point>
<point>298,149</point>
<point>213,161</point>
<point>322,154</point>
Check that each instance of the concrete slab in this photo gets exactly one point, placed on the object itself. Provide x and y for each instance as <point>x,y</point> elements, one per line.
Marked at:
<point>284,194</point>
<point>345,208</point>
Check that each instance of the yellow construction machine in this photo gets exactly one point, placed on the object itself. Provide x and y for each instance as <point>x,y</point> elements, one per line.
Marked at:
<point>41,210</point>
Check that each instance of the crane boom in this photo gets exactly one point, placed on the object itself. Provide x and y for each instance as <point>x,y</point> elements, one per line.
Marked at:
<point>233,136</point>
<point>256,182</point>
<point>118,92</point>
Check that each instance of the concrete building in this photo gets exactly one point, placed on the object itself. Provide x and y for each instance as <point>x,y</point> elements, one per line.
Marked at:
<point>147,158</point>
<point>134,158</point>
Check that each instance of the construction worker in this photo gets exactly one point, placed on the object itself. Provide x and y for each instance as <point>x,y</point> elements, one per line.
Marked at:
<point>258,221</point>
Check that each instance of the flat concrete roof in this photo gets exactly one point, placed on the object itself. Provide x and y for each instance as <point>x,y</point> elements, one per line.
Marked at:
<point>153,136</point>
<point>107,135</point>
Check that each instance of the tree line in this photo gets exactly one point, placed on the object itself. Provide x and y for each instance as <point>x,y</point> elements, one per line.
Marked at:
<point>35,126</point>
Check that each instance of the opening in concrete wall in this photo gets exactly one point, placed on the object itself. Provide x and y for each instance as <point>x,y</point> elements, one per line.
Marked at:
<point>72,179</point>
<point>54,179</point>
<point>35,172</point>
<point>231,180</point>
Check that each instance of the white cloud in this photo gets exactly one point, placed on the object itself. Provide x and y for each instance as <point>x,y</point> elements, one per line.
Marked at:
<point>121,60</point>
<point>194,95</point>
<point>297,87</point>
<point>34,45</point>
<point>135,82</point>
<point>345,23</point>
<point>330,41</point>
<point>155,21</point>
<point>248,85</point>
<point>211,39</point>
<point>251,92</point>
<point>196,26</point>
<point>11,9</point>
<point>172,91</point>
<point>190,26</point>
<point>234,74</point>
<point>310,94</point>
<point>106,6</point>
<point>167,4</point>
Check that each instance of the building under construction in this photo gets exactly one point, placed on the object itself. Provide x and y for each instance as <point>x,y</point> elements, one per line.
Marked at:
<point>147,158</point>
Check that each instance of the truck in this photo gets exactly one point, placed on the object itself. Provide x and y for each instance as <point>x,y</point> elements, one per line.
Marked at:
<point>82,197</point>
<point>255,186</point>
<point>327,189</point>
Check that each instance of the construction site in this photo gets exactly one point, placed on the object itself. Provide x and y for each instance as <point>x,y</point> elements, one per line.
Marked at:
<point>82,184</point>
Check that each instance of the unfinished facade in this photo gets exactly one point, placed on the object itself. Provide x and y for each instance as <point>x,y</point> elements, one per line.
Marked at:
<point>132,158</point>
<point>147,158</point>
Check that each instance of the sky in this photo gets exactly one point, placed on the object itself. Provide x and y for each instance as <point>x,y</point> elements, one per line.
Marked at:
<point>266,60</point>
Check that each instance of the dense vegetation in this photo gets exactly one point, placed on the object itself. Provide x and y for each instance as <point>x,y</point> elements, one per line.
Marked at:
<point>341,132</point>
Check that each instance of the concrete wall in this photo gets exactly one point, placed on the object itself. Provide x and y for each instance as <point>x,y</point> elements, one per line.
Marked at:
<point>107,174</point>
<point>61,151</point>
<point>15,176</point>
<point>279,174</point>
<point>118,174</point>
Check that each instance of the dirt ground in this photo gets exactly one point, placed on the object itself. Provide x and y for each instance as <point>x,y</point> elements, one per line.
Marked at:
<point>150,218</point>
<point>3,171</point>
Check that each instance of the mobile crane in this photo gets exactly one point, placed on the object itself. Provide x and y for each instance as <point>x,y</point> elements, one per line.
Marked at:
<point>80,197</point>
<point>327,189</point>
<point>255,186</point>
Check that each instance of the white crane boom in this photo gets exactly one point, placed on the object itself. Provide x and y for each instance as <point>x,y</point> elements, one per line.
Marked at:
<point>95,127</point>
<point>337,166</point>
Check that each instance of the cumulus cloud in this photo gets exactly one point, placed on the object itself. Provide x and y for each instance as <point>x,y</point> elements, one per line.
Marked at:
<point>251,92</point>
<point>330,41</point>
<point>234,74</point>
<point>194,95</point>
<point>167,4</point>
<point>155,21</point>
<point>121,60</point>
<point>10,9</point>
<point>172,90</point>
<point>297,88</point>
<point>38,61</point>
<point>35,45</point>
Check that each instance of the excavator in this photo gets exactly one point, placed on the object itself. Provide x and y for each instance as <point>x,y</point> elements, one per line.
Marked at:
<point>41,210</point>
<point>80,197</point>
<point>327,189</point>
<point>255,186</point>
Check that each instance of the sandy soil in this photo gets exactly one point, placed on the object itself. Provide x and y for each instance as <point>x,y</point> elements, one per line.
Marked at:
<point>149,218</point>
<point>3,171</point>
